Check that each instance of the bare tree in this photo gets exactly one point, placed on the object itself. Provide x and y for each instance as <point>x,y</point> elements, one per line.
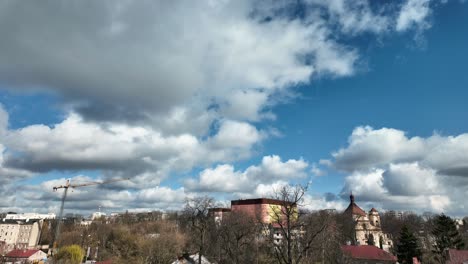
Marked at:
<point>198,221</point>
<point>237,234</point>
<point>292,232</point>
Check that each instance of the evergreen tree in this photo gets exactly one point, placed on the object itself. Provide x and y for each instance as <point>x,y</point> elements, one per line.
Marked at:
<point>446,236</point>
<point>407,246</point>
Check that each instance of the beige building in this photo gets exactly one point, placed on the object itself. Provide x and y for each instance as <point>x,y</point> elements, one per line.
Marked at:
<point>367,227</point>
<point>20,234</point>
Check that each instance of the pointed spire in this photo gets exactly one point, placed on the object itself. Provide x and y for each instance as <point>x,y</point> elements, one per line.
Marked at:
<point>351,197</point>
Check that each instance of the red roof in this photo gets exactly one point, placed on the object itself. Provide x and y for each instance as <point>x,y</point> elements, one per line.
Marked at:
<point>21,253</point>
<point>104,262</point>
<point>373,210</point>
<point>457,256</point>
<point>355,210</point>
<point>368,252</point>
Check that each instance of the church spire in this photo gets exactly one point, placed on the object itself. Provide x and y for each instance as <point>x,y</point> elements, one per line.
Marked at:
<point>351,197</point>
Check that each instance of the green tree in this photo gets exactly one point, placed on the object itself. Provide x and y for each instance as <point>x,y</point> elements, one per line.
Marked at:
<point>72,254</point>
<point>407,246</point>
<point>446,236</point>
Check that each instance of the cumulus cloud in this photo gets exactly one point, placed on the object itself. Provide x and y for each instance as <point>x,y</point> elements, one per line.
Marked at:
<point>224,178</point>
<point>153,88</point>
<point>387,167</point>
<point>130,151</point>
<point>370,148</point>
<point>134,60</point>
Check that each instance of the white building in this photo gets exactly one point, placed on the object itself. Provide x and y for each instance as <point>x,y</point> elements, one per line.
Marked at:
<point>25,216</point>
<point>97,215</point>
<point>20,234</point>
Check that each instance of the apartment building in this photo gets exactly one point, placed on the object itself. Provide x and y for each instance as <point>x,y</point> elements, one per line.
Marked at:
<point>20,234</point>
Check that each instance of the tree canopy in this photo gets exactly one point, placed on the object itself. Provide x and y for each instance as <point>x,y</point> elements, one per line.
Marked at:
<point>407,246</point>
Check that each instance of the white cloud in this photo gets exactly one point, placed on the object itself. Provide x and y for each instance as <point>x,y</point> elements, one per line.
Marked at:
<point>317,171</point>
<point>134,150</point>
<point>387,167</point>
<point>133,60</point>
<point>152,88</point>
<point>355,16</point>
<point>224,178</point>
<point>141,60</point>
<point>370,148</point>
<point>414,13</point>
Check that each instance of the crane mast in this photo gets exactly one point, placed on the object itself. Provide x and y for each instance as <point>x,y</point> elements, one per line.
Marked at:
<point>64,197</point>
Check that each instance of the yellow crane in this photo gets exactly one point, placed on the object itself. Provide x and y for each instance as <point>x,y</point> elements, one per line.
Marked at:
<point>64,196</point>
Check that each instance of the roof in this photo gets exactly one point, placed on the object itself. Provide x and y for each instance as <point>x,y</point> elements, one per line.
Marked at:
<point>19,221</point>
<point>457,256</point>
<point>354,209</point>
<point>373,210</point>
<point>368,252</point>
<point>219,209</point>
<point>21,253</point>
<point>259,201</point>
<point>104,262</point>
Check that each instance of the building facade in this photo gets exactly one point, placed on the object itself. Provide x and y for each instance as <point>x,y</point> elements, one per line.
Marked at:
<point>265,211</point>
<point>20,234</point>
<point>367,227</point>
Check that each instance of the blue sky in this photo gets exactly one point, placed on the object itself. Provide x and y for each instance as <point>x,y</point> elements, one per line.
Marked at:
<point>233,101</point>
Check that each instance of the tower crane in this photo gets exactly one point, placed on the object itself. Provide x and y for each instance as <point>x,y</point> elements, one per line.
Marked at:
<point>64,196</point>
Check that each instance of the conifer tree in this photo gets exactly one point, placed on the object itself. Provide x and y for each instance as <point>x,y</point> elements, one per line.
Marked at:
<point>446,236</point>
<point>407,246</point>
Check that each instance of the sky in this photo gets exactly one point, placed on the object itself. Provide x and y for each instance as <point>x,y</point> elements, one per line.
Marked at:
<point>234,99</point>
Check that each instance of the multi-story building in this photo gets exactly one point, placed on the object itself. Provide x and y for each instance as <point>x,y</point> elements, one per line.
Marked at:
<point>20,234</point>
<point>266,211</point>
<point>367,227</point>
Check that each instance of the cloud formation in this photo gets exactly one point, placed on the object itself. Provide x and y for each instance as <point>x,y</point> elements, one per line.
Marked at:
<point>132,151</point>
<point>387,167</point>
<point>224,178</point>
<point>154,88</point>
<point>156,61</point>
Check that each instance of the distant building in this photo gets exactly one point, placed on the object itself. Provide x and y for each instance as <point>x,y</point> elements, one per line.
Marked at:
<point>457,256</point>
<point>459,223</point>
<point>25,216</point>
<point>97,215</point>
<point>264,210</point>
<point>190,259</point>
<point>367,227</point>
<point>218,213</point>
<point>25,256</point>
<point>20,234</point>
<point>367,255</point>
<point>399,214</point>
